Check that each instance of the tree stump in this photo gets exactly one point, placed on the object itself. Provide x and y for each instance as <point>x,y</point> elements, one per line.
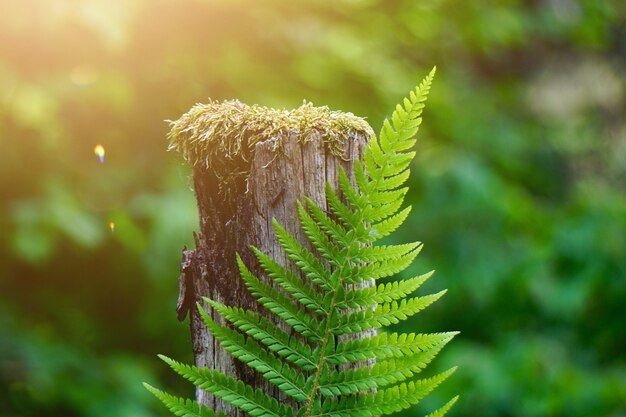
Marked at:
<point>251,164</point>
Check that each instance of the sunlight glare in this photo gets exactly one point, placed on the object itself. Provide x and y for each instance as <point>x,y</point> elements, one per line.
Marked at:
<point>99,152</point>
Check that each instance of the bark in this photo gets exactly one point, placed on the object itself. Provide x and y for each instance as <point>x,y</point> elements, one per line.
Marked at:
<point>240,215</point>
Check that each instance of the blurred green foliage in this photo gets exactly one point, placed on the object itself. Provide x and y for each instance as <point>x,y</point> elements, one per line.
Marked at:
<point>518,188</point>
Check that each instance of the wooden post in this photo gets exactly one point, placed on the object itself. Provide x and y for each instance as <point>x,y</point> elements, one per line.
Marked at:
<point>251,164</point>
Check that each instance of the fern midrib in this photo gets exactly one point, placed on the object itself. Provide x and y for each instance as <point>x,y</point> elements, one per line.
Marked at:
<point>327,331</point>
<point>327,335</point>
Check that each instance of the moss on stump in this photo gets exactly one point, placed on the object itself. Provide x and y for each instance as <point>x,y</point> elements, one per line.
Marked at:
<point>221,136</point>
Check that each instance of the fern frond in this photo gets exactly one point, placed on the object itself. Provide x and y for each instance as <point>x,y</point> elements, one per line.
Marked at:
<point>328,225</point>
<point>348,217</point>
<point>364,184</point>
<point>376,213</point>
<point>357,200</point>
<point>279,304</point>
<point>383,373</point>
<point>386,253</point>
<point>386,345</point>
<point>374,160</point>
<point>443,410</point>
<point>234,392</point>
<point>386,401</point>
<point>181,407</point>
<point>382,269</point>
<point>386,227</point>
<point>395,181</point>
<point>318,302</point>
<point>384,293</point>
<point>397,163</point>
<point>300,290</point>
<point>252,354</point>
<point>406,119</point>
<point>379,198</point>
<point>384,315</point>
<point>380,156</point>
<point>303,258</point>
<point>275,339</point>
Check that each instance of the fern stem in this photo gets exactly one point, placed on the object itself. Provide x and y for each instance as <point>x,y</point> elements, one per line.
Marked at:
<point>327,335</point>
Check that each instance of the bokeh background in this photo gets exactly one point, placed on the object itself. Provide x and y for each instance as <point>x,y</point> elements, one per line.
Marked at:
<point>518,187</point>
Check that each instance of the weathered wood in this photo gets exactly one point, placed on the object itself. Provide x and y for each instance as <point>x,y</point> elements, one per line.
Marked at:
<point>236,214</point>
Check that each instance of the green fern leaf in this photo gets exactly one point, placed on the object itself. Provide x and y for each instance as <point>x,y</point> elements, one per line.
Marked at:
<point>356,199</point>
<point>384,293</point>
<point>362,180</point>
<point>384,315</point>
<point>382,269</point>
<point>386,227</point>
<point>348,217</point>
<point>373,214</point>
<point>181,407</point>
<point>406,120</point>
<point>303,258</point>
<point>279,304</point>
<point>381,374</point>
<point>328,225</point>
<point>300,290</point>
<point>241,395</point>
<point>386,345</point>
<point>386,197</point>
<point>374,160</point>
<point>443,410</point>
<point>395,181</point>
<point>272,337</point>
<point>250,352</point>
<point>385,253</point>
<point>386,401</point>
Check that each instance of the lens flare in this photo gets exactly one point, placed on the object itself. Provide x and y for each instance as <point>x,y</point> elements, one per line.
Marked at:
<point>99,152</point>
<point>112,227</point>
